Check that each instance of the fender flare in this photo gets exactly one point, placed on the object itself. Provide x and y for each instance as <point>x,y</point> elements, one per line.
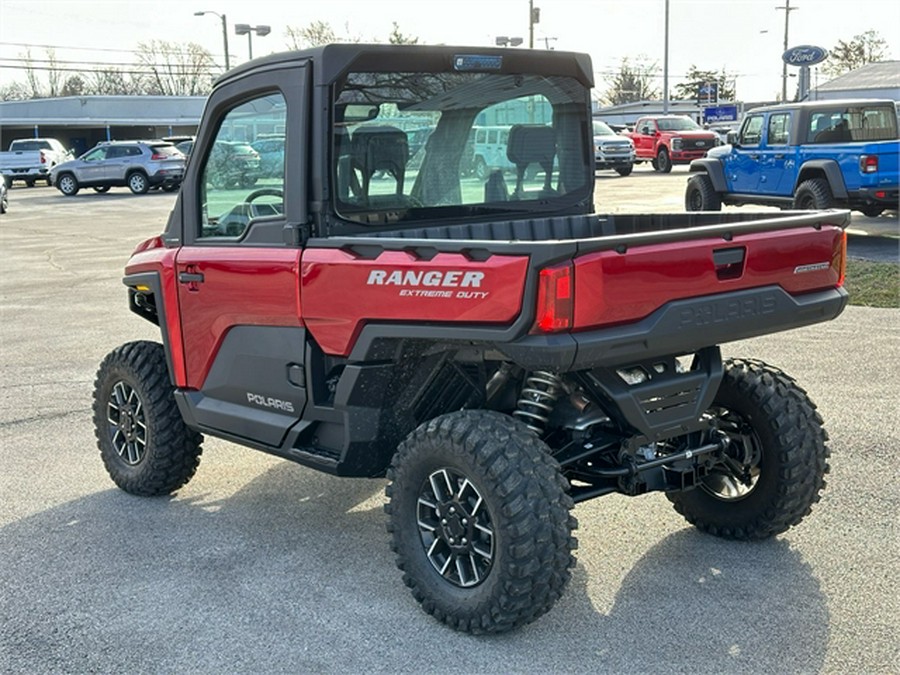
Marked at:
<point>832,172</point>
<point>713,169</point>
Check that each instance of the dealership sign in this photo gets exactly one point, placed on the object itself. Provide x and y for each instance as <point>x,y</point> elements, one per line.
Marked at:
<point>805,55</point>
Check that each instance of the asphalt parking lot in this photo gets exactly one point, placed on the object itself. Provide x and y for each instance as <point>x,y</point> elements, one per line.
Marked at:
<point>259,565</point>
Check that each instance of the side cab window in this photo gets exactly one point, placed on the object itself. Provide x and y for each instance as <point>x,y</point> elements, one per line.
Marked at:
<point>751,132</point>
<point>779,126</point>
<point>237,189</point>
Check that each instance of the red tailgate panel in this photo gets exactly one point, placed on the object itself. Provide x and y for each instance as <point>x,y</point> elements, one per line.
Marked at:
<point>341,292</point>
<point>613,288</point>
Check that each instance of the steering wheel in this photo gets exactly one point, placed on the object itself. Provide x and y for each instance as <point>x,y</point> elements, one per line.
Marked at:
<point>263,192</point>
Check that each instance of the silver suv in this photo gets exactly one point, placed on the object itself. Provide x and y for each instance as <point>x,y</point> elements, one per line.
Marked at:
<point>138,165</point>
<point>612,151</point>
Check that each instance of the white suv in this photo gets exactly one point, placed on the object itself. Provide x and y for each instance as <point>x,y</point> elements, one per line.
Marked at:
<point>138,165</point>
<point>612,151</point>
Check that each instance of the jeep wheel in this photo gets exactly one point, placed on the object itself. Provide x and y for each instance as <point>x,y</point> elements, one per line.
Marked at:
<point>144,443</point>
<point>138,183</point>
<point>872,210</point>
<point>776,461</point>
<point>813,195</point>
<point>481,169</point>
<point>700,195</point>
<point>625,170</point>
<point>663,163</point>
<point>480,522</point>
<point>67,184</point>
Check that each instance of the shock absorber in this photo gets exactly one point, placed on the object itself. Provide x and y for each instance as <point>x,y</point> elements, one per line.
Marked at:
<point>537,399</point>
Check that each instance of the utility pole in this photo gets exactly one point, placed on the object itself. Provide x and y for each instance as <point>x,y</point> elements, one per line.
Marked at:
<point>787,16</point>
<point>534,16</point>
<point>666,65</point>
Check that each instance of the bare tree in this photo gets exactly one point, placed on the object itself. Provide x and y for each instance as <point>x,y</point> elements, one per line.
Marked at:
<point>868,47</point>
<point>315,34</point>
<point>633,82</point>
<point>398,38</point>
<point>175,69</point>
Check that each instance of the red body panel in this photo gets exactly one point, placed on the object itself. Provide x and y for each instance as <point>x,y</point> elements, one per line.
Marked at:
<point>241,286</point>
<point>342,292</point>
<point>612,288</point>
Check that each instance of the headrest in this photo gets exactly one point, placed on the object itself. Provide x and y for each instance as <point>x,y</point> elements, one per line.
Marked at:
<point>379,148</point>
<point>531,143</point>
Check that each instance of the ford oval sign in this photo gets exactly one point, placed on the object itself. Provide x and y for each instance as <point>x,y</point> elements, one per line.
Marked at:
<point>805,55</point>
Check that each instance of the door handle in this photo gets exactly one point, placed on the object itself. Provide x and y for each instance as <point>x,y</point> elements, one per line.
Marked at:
<point>190,277</point>
<point>754,156</point>
<point>780,155</point>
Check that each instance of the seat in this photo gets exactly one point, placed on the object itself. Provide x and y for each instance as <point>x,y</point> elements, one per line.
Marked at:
<point>379,148</point>
<point>531,144</point>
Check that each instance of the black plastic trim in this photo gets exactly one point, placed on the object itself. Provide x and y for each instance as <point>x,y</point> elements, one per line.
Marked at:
<point>152,280</point>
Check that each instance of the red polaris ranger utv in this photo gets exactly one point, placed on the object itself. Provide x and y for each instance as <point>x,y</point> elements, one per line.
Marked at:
<point>370,306</point>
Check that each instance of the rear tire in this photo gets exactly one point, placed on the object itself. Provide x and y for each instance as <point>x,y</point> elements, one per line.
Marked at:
<point>778,439</point>
<point>145,445</point>
<point>138,183</point>
<point>813,195</point>
<point>625,170</point>
<point>872,210</point>
<point>101,188</point>
<point>700,195</point>
<point>480,522</point>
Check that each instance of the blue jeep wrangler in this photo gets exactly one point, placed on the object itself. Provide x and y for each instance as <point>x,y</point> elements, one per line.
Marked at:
<point>814,155</point>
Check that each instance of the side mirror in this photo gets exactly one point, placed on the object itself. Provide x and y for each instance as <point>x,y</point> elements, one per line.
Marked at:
<point>732,138</point>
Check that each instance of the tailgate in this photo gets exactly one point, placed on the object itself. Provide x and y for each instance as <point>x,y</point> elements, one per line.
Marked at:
<point>619,286</point>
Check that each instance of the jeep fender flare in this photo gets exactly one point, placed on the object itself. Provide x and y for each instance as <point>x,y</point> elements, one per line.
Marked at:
<point>713,169</point>
<point>831,171</point>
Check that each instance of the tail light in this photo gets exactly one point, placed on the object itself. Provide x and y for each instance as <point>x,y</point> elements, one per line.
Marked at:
<point>556,299</point>
<point>868,163</point>
<point>157,157</point>
<point>840,257</point>
<point>43,157</point>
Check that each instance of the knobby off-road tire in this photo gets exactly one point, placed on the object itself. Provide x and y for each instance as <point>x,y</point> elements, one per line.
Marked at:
<point>145,445</point>
<point>766,414</point>
<point>480,518</point>
<point>813,195</point>
<point>700,195</point>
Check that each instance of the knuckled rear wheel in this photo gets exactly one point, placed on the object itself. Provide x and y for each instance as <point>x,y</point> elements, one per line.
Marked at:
<point>144,443</point>
<point>479,514</point>
<point>776,461</point>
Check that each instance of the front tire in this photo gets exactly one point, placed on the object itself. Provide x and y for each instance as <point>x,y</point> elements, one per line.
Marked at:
<point>625,170</point>
<point>68,185</point>
<point>144,443</point>
<point>479,515</point>
<point>663,162</point>
<point>700,195</point>
<point>778,457</point>
<point>813,195</point>
<point>138,183</point>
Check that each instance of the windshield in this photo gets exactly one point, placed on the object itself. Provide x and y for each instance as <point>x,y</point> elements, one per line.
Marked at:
<point>603,129</point>
<point>677,124</point>
<point>411,147</point>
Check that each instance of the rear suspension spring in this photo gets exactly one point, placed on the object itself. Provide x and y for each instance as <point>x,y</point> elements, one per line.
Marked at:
<point>537,399</point>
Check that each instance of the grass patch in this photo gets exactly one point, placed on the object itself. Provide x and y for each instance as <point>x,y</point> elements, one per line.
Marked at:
<point>873,284</point>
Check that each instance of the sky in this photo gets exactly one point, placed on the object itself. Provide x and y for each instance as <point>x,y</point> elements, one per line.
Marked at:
<point>745,37</point>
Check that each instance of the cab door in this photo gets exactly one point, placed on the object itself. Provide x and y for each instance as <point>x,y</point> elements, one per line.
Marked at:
<point>237,271</point>
<point>742,164</point>
<point>775,157</point>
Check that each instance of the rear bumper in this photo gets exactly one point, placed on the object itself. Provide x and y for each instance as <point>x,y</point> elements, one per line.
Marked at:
<point>888,196</point>
<point>680,327</point>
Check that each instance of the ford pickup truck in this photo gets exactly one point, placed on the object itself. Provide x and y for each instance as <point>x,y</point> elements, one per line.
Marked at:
<point>30,159</point>
<point>493,348</point>
<point>668,140</point>
<point>813,155</point>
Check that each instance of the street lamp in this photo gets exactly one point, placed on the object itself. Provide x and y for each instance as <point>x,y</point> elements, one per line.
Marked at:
<point>248,30</point>
<point>224,33</point>
<point>503,41</point>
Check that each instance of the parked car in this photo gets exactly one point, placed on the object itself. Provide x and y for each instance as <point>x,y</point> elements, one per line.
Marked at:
<point>138,165</point>
<point>185,147</point>
<point>813,155</point>
<point>612,151</point>
<point>4,196</point>
<point>667,140</point>
<point>31,159</point>
<point>271,155</point>
<point>235,164</point>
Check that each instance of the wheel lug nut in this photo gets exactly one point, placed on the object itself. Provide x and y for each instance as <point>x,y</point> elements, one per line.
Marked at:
<point>465,522</point>
<point>452,540</point>
<point>443,521</point>
<point>452,509</point>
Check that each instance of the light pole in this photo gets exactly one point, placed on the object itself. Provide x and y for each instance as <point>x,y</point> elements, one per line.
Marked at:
<point>787,15</point>
<point>224,33</point>
<point>248,30</point>
<point>503,41</point>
